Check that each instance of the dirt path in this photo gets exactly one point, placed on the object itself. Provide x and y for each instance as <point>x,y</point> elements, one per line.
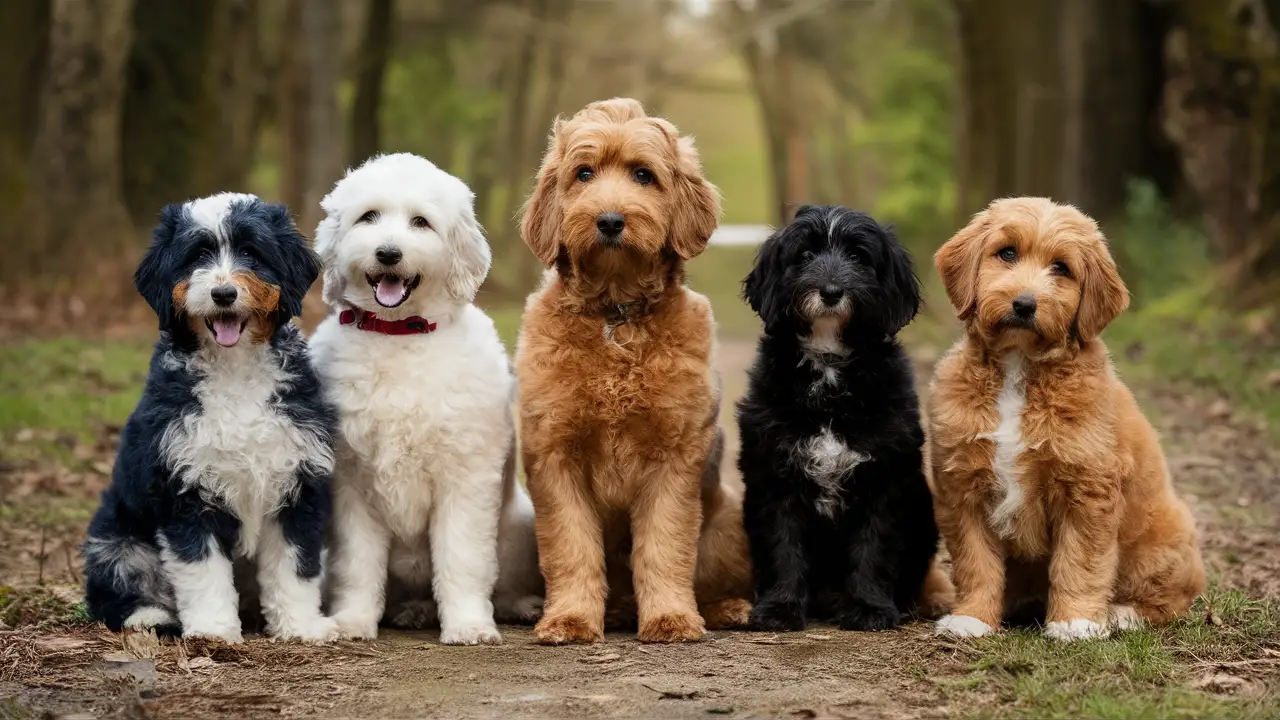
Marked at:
<point>1226,464</point>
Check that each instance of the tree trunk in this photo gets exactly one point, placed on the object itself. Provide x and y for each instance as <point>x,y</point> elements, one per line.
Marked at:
<point>291,115</point>
<point>321,34</point>
<point>239,80</point>
<point>1058,100</point>
<point>1222,111</point>
<point>375,47</point>
<point>170,115</point>
<point>24,50</point>
<point>76,204</point>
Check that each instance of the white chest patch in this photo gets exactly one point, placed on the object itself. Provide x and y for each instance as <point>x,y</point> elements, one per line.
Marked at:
<point>1008,439</point>
<point>827,460</point>
<point>236,446</point>
<point>823,340</point>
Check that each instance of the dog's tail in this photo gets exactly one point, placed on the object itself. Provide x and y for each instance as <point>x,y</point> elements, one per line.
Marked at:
<point>124,582</point>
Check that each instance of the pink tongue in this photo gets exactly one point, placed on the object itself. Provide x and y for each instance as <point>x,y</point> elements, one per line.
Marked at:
<point>226,332</point>
<point>390,291</point>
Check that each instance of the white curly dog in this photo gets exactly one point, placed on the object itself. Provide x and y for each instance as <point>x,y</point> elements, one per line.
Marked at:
<point>425,490</point>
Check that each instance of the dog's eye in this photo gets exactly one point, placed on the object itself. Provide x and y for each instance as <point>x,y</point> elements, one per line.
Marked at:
<point>644,176</point>
<point>371,216</point>
<point>419,223</point>
<point>806,256</point>
<point>585,174</point>
<point>1060,268</point>
<point>1007,254</point>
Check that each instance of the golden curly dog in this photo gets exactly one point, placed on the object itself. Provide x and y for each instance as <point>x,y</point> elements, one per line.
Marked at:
<point>1049,482</point>
<point>618,397</point>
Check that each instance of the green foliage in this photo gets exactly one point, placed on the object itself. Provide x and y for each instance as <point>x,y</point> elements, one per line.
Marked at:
<point>39,606</point>
<point>910,135</point>
<point>1157,253</point>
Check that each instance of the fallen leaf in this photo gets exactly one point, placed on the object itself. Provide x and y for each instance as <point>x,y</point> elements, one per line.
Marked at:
<point>597,659</point>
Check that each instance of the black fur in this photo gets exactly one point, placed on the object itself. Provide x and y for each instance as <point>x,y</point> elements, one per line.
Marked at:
<point>146,500</point>
<point>865,563</point>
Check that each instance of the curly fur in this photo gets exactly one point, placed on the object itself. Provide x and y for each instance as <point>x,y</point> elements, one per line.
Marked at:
<point>837,507</point>
<point>618,398</point>
<point>425,487</point>
<point>1050,484</point>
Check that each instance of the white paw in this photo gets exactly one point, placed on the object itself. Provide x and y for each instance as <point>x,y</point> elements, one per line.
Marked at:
<point>353,628</point>
<point>1124,617</point>
<point>480,633</point>
<point>227,633</point>
<point>147,617</point>
<point>1078,629</point>
<point>415,615</point>
<point>318,630</point>
<point>961,626</point>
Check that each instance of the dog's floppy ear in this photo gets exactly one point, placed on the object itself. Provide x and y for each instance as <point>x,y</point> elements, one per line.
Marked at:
<point>154,273</point>
<point>540,225</point>
<point>762,287</point>
<point>697,204</point>
<point>328,235</point>
<point>1103,295</point>
<point>469,255</point>
<point>299,265</point>
<point>957,262</point>
<point>900,284</point>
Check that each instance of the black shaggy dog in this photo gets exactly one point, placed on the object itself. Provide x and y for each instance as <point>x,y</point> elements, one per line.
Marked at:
<point>221,485</point>
<point>837,508</point>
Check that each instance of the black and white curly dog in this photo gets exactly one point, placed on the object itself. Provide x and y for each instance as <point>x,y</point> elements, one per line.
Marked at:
<point>222,478</point>
<point>837,508</point>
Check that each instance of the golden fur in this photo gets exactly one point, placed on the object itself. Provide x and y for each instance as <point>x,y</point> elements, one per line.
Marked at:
<point>618,398</point>
<point>1099,523</point>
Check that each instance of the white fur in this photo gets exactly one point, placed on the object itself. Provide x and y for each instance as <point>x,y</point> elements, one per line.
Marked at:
<point>961,626</point>
<point>1008,439</point>
<point>147,617</point>
<point>236,446</point>
<point>1124,617</point>
<point>827,460</point>
<point>1078,629</point>
<point>211,212</point>
<point>205,591</point>
<point>425,419</point>
<point>823,341</point>
<point>290,603</point>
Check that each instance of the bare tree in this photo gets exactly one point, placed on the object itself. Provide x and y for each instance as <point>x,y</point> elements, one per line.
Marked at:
<point>375,47</point>
<point>321,32</point>
<point>77,199</point>
<point>24,40</point>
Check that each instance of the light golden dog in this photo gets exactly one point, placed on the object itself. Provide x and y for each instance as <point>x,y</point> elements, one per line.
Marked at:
<point>1049,482</point>
<point>618,397</point>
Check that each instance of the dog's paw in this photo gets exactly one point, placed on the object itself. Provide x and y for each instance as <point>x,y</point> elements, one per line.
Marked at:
<point>565,630</point>
<point>150,617</point>
<point>777,616</point>
<point>727,614</point>
<point>474,633</point>
<point>1077,629</point>
<point>415,615</point>
<point>1124,617</point>
<point>961,626</point>
<point>356,628</point>
<point>226,634</point>
<point>672,628</point>
<point>317,631</point>
<point>865,616</point>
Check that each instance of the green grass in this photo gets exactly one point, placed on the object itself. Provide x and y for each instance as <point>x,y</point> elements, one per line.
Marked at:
<point>39,606</point>
<point>1148,673</point>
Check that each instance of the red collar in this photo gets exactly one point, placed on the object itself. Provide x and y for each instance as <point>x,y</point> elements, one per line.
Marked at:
<point>368,321</point>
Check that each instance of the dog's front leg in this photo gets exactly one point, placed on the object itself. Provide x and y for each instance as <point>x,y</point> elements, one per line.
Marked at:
<point>776,529</point>
<point>289,567</point>
<point>665,521</point>
<point>194,556</point>
<point>977,566</point>
<point>361,546</point>
<point>868,602</point>
<point>570,551</point>
<point>464,557</point>
<point>1082,569</point>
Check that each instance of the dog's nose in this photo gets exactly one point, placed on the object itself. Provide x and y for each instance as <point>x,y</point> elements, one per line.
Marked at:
<point>610,223</point>
<point>388,255</point>
<point>223,295</point>
<point>1024,306</point>
<point>831,294</point>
